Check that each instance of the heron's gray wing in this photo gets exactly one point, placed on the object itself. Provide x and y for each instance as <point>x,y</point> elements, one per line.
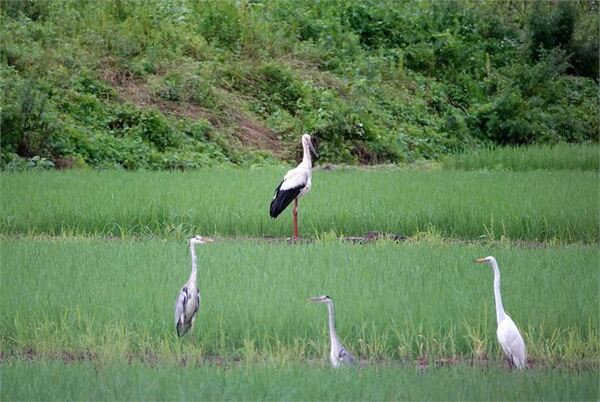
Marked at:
<point>345,357</point>
<point>180,304</point>
<point>197,301</point>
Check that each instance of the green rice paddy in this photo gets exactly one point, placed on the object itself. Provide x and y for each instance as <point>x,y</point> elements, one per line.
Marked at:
<point>295,382</point>
<point>546,157</point>
<point>536,206</point>
<point>91,263</point>
<point>394,302</point>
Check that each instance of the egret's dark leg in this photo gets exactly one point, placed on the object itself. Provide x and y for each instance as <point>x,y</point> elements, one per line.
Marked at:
<point>295,218</point>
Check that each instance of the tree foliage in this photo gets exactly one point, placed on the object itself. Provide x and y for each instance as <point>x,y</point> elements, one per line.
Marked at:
<point>165,84</point>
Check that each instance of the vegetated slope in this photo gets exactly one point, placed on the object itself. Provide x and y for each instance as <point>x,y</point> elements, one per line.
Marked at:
<point>182,84</point>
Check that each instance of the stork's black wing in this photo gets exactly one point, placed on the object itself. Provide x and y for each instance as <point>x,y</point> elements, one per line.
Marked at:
<point>283,198</point>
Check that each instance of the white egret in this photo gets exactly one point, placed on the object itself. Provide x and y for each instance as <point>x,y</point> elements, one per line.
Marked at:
<point>338,354</point>
<point>188,301</point>
<point>508,334</point>
<point>295,184</point>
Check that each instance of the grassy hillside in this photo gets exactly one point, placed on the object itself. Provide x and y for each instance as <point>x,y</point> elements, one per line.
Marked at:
<point>182,84</point>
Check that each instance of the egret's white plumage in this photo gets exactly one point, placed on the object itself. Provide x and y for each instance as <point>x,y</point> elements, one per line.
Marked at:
<point>338,355</point>
<point>295,184</point>
<point>188,301</point>
<point>508,334</point>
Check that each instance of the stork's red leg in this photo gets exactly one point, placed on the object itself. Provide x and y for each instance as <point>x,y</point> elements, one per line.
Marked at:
<point>295,218</point>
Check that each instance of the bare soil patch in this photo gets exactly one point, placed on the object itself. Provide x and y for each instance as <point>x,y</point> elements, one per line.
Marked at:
<point>249,132</point>
<point>254,135</point>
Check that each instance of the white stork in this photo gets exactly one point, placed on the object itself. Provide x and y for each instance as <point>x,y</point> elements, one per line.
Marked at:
<point>508,334</point>
<point>188,301</point>
<point>295,184</point>
<point>338,355</point>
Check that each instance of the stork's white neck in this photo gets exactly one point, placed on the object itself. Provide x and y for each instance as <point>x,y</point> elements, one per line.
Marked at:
<point>332,334</point>
<point>306,158</point>
<point>500,314</point>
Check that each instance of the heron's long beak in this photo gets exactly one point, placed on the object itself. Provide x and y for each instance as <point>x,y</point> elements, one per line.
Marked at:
<point>208,240</point>
<point>312,149</point>
<point>480,260</point>
<point>314,299</point>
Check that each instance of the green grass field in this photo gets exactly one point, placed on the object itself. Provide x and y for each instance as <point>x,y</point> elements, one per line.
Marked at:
<point>81,381</point>
<point>535,206</point>
<point>91,263</point>
<point>114,300</point>
<point>547,157</point>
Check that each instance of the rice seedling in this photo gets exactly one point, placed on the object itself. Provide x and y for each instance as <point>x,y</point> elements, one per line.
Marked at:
<point>27,380</point>
<point>559,206</point>
<point>547,157</point>
<point>114,300</point>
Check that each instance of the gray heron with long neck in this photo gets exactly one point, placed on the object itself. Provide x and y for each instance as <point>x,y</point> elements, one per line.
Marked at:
<point>188,301</point>
<point>338,355</point>
<point>508,334</point>
<point>295,184</point>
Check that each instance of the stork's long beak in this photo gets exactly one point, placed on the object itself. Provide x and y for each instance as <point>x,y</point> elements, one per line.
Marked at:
<point>480,260</point>
<point>312,149</point>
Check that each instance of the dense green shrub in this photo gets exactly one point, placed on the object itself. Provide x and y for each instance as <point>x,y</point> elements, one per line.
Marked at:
<point>551,26</point>
<point>31,9</point>
<point>169,85</point>
<point>538,104</point>
<point>279,86</point>
<point>569,25</point>
<point>28,121</point>
<point>220,23</point>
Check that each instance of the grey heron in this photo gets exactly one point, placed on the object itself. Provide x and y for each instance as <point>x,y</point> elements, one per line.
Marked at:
<point>508,334</point>
<point>188,301</point>
<point>295,184</point>
<point>338,355</point>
